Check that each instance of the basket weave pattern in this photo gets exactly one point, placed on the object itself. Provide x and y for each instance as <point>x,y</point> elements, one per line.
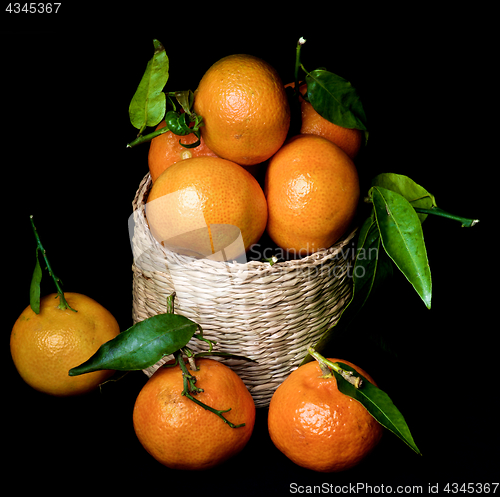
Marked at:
<point>270,314</point>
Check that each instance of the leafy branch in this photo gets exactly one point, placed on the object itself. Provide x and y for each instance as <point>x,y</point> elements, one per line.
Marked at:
<point>390,236</point>
<point>149,104</point>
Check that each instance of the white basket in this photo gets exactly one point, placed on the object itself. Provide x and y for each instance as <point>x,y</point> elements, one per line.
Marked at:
<point>270,314</point>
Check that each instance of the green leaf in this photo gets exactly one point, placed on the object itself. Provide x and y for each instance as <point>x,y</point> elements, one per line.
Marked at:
<point>142,345</point>
<point>378,404</point>
<point>402,238</point>
<point>35,286</point>
<point>148,104</point>
<point>415,194</point>
<point>178,123</point>
<point>335,99</point>
<point>372,266</point>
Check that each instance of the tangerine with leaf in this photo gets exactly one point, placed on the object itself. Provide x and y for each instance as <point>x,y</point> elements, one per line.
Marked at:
<point>57,332</point>
<point>317,426</point>
<point>349,140</point>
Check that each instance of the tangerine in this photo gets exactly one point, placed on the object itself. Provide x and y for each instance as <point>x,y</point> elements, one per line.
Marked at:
<point>317,426</point>
<point>207,207</point>
<point>312,192</point>
<point>183,435</point>
<point>244,108</point>
<point>349,140</point>
<point>165,150</point>
<point>45,346</point>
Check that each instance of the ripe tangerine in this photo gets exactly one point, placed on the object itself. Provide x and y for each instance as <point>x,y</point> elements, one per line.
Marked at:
<point>183,435</point>
<point>244,108</point>
<point>317,426</point>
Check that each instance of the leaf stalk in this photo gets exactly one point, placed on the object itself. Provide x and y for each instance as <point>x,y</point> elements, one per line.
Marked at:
<point>63,304</point>
<point>191,389</point>
<point>298,63</point>
<point>326,365</point>
<point>466,222</point>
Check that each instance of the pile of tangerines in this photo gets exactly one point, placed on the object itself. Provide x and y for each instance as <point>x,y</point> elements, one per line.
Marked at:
<point>248,172</point>
<point>306,202</point>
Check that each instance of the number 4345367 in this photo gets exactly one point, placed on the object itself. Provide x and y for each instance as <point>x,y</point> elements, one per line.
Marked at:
<point>33,8</point>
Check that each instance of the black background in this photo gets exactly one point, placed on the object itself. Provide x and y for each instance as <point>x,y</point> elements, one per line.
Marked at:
<point>426,86</point>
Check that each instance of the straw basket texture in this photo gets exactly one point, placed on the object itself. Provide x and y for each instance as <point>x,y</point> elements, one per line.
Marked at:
<point>270,314</point>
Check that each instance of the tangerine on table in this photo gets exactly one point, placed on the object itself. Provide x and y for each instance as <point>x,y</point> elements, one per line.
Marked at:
<point>183,435</point>
<point>200,206</point>
<point>45,346</point>
<point>317,426</point>
<point>312,192</point>
<point>244,108</point>
<point>165,150</point>
<point>349,140</point>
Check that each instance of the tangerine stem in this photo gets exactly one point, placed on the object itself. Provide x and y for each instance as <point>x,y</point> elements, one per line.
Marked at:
<point>189,386</point>
<point>63,304</point>
<point>347,375</point>
<point>146,138</point>
<point>297,64</point>
<point>170,303</point>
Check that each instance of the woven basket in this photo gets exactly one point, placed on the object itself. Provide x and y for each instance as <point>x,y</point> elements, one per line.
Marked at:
<point>270,314</point>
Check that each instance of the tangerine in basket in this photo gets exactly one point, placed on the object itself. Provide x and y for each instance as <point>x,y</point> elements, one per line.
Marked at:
<point>317,426</point>
<point>244,108</point>
<point>312,192</point>
<point>349,140</point>
<point>165,150</point>
<point>45,346</point>
<point>207,207</point>
<point>183,435</point>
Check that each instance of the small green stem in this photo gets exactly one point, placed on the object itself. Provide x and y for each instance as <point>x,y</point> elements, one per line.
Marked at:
<point>200,337</point>
<point>146,138</point>
<point>466,222</point>
<point>170,303</point>
<point>325,364</point>
<point>297,63</point>
<point>190,389</point>
<point>63,304</point>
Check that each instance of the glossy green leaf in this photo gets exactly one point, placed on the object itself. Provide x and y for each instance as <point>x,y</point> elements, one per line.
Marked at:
<point>148,104</point>
<point>35,286</point>
<point>417,195</point>
<point>372,266</point>
<point>402,238</point>
<point>178,123</point>
<point>378,404</point>
<point>335,99</point>
<point>142,345</point>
